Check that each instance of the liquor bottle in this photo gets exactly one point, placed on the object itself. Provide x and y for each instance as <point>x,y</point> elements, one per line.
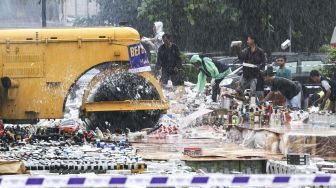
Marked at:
<point>270,110</point>
<point>235,119</point>
<point>253,101</point>
<point>225,120</point>
<point>278,118</point>
<point>257,118</point>
<point>288,118</point>
<point>266,119</point>
<point>241,116</point>
<point>251,116</point>
<point>247,118</point>
<point>272,118</point>
<point>284,117</point>
<point>230,115</point>
<point>261,118</point>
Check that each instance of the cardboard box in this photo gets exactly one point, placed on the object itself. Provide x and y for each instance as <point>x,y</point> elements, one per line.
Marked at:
<point>12,167</point>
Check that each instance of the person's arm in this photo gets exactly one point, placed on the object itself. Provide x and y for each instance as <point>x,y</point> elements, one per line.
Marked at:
<point>158,36</point>
<point>327,87</point>
<point>211,67</point>
<point>145,39</point>
<point>319,100</point>
<point>159,58</point>
<point>263,60</point>
<point>268,96</point>
<point>326,96</point>
<point>225,73</point>
<point>201,80</point>
<point>242,55</point>
<point>178,58</point>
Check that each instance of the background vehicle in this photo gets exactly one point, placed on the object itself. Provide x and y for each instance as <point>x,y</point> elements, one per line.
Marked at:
<point>40,67</point>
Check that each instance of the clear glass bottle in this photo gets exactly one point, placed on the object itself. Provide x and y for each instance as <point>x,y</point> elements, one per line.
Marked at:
<point>251,117</point>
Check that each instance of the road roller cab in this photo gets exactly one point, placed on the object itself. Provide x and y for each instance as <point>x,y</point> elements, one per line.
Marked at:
<point>40,66</point>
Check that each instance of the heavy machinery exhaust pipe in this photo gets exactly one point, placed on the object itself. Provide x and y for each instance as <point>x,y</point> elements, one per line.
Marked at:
<point>9,83</point>
<point>11,87</point>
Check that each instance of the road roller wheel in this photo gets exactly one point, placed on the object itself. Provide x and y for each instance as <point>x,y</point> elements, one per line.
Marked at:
<point>120,87</point>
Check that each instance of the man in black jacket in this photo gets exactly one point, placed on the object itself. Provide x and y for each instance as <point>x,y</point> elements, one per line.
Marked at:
<point>254,60</point>
<point>170,61</point>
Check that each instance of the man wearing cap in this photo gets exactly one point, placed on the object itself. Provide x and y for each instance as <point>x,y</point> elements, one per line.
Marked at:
<point>208,68</point>
<point>328,87</point>
<point>289,89</point>
<point>254,60</point>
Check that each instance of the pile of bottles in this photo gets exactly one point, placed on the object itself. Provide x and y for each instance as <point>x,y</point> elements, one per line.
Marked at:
<point>322,119</point>
<point>257,116</point>
<point>82,166</point>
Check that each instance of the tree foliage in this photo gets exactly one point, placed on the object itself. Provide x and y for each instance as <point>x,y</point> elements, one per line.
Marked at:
<point>331,70</point>
<point>210,25</point>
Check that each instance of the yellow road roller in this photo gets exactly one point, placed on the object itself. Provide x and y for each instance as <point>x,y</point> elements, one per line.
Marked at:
<point>39,68</point>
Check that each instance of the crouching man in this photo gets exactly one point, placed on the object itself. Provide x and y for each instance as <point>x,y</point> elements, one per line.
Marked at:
<point>328,87</point>
<point>209,69</point>
<point>289,89</point>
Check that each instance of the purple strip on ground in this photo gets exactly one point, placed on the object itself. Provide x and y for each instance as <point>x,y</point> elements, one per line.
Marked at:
<point>201,180</point>
<point>118,180</point>
<point>322,179</point>
<point>76,181</point>
<point>240,179</point>
<point>34,181</point>
<point>281,179</point>
<point>159,180</point>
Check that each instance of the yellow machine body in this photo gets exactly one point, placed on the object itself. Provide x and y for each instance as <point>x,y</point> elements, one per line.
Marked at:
<point>39,67</point>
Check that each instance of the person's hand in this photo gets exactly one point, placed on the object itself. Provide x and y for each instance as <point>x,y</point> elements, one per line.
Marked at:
<point>199,94</point>
<point>143,39</point>
<point>240,45</point>
<point>260,103</point>
<point>277,93</point>
<point>213,82</point>
<point>316,103</point>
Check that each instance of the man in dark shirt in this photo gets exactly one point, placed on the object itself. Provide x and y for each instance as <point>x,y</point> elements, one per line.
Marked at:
<point>254,60</point>
<point>289,89</point>
<point>170,61</point>
<point>328,87</point>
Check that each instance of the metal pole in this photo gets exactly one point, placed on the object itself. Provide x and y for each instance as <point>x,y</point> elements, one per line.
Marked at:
<point>268,27</point>
<point>44,15</point>
<point>76,11</point>
<point>290,34</point>
<point>87,9</point>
